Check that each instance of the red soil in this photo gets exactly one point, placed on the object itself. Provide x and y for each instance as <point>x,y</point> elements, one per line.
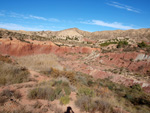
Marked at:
<point>17,48</point>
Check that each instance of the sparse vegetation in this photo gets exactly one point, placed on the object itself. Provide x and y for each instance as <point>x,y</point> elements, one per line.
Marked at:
<point>5,59</point>
<point>135,95</point>
<point>58,73</point>
<point>51,90</point>
<point>107,43</point>
<point>122,44</point>
<point>46,92</point>
<point>11,74</point>
<point>64,100</point>
<point>85,91</point>
<point>2,100</point>
<point>93,104</point>
<point>7,94</point>
<point>42,62</point>
<point>142,44</point>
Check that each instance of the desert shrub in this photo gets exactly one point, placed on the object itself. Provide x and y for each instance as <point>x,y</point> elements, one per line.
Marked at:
<point>2,100</point>
<point>85,91</point>
<point>129,49</point>
<point>17,95</point>
<point>45,90</point>
<point>142,44</point>
<point>107,83</point>
<point>11,93</point>
<point>37,104</point>
<point>107,43</point>
<point>5,59</point>
<point>81,79</point>
<point>64,100</point>
<point>102,105</point>
<point>3,81</point>
<point>133,95</point>
<point>136,87</point>
<point>142,109</point>
<point>7,93</point>
<point>68,74</point>
<point>148,50</point>
<point>89,42</point>
<point>85,103</point>
<point>62,84</point>
<point>122,44</point>
<point>67,90</point>
<point>91,83</point>
<point>58,92</point>
<point>11,74</point>
<point>42,93</point>
<point>106,51</point>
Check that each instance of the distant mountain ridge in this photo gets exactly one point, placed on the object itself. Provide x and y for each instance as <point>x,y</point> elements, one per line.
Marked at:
<point>75,33</point>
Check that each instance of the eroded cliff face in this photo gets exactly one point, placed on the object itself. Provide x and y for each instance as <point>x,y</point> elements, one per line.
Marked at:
<point>129,60</point>
<point>133,61</point>
<point>18,48</point>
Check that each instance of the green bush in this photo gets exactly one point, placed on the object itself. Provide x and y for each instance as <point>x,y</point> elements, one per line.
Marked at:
<point>90,83</point>
<point>85,91</point>
<point>122,44</point>
<point>62,86</point>
<point>81,79</point>
<point>67,90</point>
<point>64,100</point>
<point>47,93</point>
<point>58,91</point>
<point>142,44</point>
<point>136,87</point>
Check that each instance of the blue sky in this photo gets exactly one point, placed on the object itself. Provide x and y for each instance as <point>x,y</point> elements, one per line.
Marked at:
<point>89,15</point>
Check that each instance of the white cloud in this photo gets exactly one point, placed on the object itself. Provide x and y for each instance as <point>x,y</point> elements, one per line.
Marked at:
<point>53,20</point>
<point>123,6</point>
<point>112,25</point>
<point>12,26</point>
<point>42,18</point>
<point>37,17</point>
<point>16,15</point>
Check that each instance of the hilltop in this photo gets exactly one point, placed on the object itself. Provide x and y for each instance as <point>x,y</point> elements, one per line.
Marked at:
<point>138,34</point>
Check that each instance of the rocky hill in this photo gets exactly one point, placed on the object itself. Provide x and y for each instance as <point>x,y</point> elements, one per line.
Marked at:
<point>76,34</point>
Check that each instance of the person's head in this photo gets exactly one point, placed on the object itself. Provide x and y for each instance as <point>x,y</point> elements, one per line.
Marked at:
<point>69,108</point>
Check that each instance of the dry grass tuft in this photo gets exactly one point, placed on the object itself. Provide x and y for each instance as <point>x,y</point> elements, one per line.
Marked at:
<point>46,92</point>
<point>88,104</point>
<point>7,94</point>
<point>41,62</point>
<point>5,59</point>
<point>11,74</point>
